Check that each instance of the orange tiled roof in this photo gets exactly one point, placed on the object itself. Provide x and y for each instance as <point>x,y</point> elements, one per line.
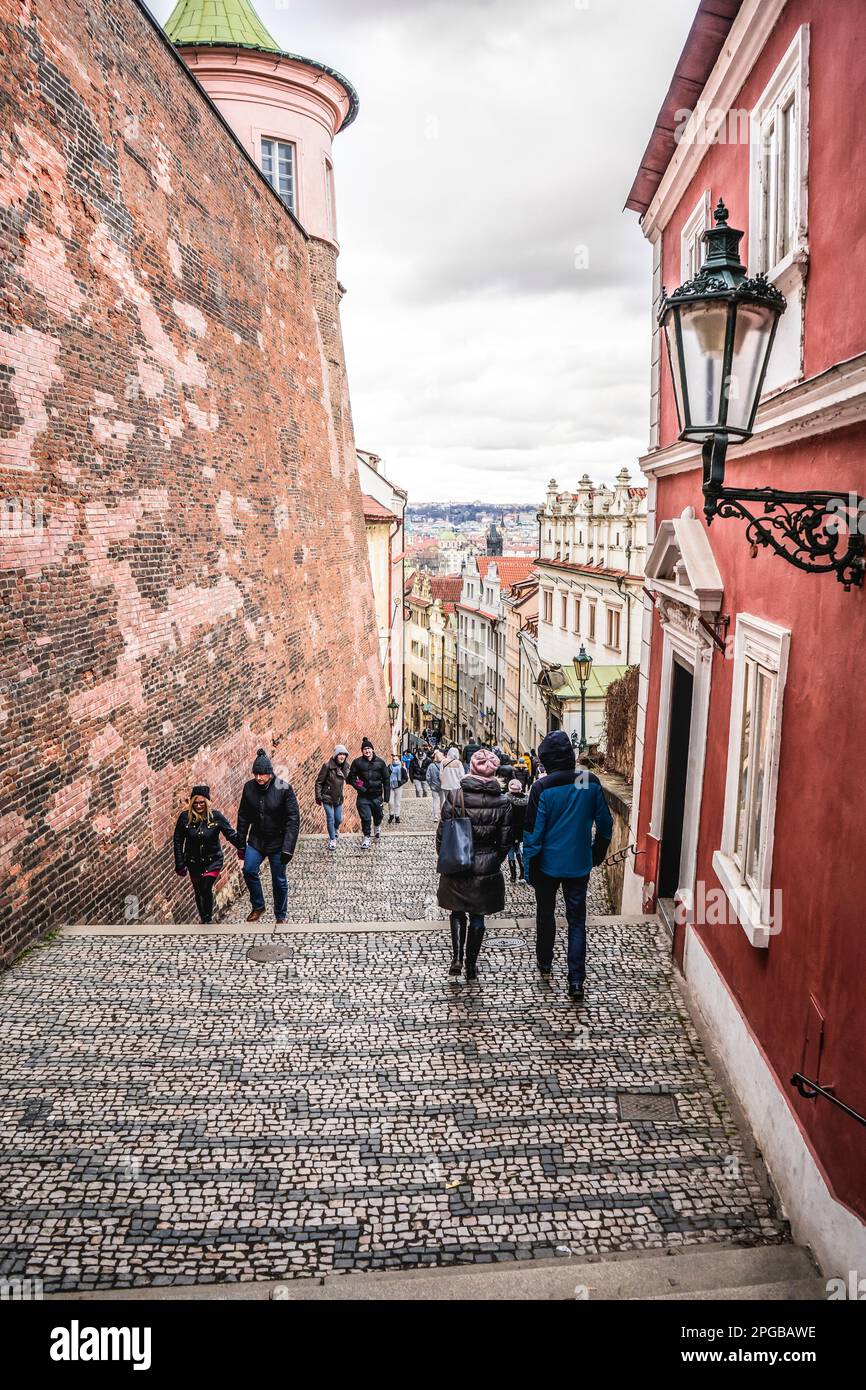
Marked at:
<point>374,511</point>
<point>604,570</point>
<point>447,588</point>
<point>510,568</point>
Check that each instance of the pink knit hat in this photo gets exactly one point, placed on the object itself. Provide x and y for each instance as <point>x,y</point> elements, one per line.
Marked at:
<point>484,763</point>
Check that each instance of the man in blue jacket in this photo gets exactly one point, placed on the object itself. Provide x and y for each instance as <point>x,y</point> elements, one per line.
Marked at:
<point>559,851</point>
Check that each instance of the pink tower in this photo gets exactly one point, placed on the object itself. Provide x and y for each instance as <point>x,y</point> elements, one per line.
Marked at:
<point>284,109</point>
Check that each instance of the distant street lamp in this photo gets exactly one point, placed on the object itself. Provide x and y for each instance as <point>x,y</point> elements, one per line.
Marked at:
<point>720,328</point>
<point>583,671</point>
<point>490,724</point>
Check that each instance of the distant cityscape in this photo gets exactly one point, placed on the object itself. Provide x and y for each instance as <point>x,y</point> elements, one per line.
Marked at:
<point>442,537</point>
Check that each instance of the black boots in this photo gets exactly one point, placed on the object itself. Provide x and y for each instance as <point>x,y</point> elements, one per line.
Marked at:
<point>459,946</point>
<point>512,869</point>
<point>458,942</point>
<point>473,951</point>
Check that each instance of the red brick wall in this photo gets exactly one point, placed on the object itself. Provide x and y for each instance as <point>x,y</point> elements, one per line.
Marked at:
<point>183,563</point>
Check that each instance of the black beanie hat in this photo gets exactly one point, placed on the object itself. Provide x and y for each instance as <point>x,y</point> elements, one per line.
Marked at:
<point>262,765</point>
<point>367,743</point>
<point>557,752</point>
<point>200,791</point>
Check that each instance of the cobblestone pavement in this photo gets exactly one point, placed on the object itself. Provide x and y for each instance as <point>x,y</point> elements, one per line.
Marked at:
<point>395,880</point>
<point>173,1112</point>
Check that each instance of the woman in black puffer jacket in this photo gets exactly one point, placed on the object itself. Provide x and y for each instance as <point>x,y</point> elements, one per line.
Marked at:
<point>197,848</point>
<point>482,889</point>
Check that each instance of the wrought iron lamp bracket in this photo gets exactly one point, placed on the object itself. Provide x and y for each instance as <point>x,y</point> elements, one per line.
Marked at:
<point>819,532</point>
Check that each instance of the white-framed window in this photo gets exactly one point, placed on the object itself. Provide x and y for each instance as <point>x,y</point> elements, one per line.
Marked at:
<point>613,623</point>
<point>330,200</point>
<point>563,622</point>
<point>548,606</point>
<point>691,246</point>
<point>591,606</point>
<point>745,861</point>
<point>576,628</point>
<point>779,163</point>
<point>278,167</point>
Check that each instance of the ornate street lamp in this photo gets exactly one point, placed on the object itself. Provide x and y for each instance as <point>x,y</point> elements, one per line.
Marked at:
<point>393,711</point>
<point>720,328</point>
<point>583,671</point>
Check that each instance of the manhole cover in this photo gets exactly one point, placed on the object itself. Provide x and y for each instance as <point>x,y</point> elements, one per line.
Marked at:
<point>266,954</point>
<point>639,1107</point>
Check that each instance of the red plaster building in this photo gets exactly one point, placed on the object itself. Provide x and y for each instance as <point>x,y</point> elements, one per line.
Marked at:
<point>749,806</point>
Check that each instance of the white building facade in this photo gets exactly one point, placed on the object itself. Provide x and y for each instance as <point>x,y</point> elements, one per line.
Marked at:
<point>592,551</point>
<point>384,508</point>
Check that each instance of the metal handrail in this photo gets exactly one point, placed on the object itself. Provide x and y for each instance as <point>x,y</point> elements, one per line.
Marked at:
<point>624,854</point>
<point>810,1090</point>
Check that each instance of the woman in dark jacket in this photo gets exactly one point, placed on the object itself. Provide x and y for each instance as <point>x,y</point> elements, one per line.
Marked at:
<point>482,889</point>
<point>197,848</point>
<point>331,792</point>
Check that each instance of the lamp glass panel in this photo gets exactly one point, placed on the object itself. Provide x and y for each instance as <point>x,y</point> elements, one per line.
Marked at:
<point>674,363</point>
<point>751,340</point>
<point>703,329</point>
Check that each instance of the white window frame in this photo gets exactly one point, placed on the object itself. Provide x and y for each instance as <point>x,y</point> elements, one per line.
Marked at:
<point>790,82</point>
<point>330,198</point>
<point>691,248</point>
<point>275,140</point>
<point>613,618</point>
<point>766,643</point>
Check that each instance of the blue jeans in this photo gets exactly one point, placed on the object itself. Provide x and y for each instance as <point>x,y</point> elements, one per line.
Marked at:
<point>334,817</point>
<point>252,869</point>
<point>574,893</point>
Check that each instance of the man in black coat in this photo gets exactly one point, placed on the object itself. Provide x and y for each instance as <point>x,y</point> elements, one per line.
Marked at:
<point>269,822</point>
<point>370,777</point>
<point>418,770</point>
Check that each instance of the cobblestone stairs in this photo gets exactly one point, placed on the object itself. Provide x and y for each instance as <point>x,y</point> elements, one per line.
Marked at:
<point>395,880</point>
<point>184,1114</point>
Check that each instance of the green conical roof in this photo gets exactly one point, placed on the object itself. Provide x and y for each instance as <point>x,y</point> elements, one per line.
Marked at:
<point>232,22</point>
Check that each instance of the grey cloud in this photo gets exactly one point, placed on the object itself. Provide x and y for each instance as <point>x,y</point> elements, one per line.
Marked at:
<point>495,139</point>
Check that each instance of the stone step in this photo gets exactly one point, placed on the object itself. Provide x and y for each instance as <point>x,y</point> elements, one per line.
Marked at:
<point>727,1272</point>
<point>772,1273</point>
<point>796,1291</point>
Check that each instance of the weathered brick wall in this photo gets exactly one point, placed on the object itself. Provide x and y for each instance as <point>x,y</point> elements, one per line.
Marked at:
<point>183,564</point>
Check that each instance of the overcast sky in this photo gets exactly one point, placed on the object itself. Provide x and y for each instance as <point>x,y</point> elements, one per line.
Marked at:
<point>498,315</point>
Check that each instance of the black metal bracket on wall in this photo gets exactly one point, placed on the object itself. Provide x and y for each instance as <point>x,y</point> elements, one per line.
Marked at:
<point>810,1090</point>
<point>712,630</point>
<point>821,532</point>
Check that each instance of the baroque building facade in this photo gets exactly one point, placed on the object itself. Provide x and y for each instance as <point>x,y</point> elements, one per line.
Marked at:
<point>591,555</point>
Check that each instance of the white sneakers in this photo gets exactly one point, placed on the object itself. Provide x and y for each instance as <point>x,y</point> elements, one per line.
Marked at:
<point>365,843</point>
<point>332,845</point>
